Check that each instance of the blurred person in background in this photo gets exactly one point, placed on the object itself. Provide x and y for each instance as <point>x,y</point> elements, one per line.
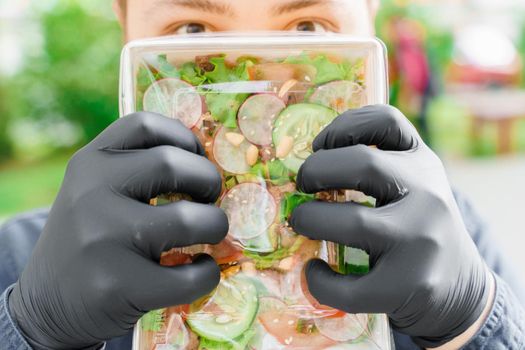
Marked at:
<point>435,270</point>
<point>411,69</point>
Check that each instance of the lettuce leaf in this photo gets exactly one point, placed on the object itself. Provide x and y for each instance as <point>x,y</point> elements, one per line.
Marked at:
<point>267,261</point>
<point>166,69</point>
<point>188,72</point>
<point>153,321</point>
<point>327,70</point>
<point>293,200</point>
<point>224,74</point>
<point>224,107</point>
<point>274,170</point>
<point>192,74</point>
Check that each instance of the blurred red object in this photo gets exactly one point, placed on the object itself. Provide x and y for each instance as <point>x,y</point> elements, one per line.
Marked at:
<point>484,56</point>
<point>472,75</point>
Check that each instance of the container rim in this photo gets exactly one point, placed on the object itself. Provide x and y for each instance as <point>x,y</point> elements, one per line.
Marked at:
<point>230,40</point>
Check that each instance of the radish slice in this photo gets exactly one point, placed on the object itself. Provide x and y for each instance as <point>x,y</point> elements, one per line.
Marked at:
<point>256,117</point>
<point>175,99</point>
<point>230,156</point>
<point>340,95</point>
<point>250,208</point>
<point>342,329</point>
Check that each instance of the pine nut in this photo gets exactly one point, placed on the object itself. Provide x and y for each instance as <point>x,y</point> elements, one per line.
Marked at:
<point>284,148</point>
<point>234,138</point>
<point>222,319</point>
<point>286,264</point>
<point>286,87</point>
<point>252,154</point>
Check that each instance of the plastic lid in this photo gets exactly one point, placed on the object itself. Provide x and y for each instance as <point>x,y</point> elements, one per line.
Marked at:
<point>269,45</point>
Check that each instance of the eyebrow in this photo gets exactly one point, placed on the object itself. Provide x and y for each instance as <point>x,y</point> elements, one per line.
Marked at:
<point>296,5</point>
<point>211,6</point>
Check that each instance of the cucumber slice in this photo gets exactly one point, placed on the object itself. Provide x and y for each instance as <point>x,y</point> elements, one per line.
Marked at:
<point>175,99</point>
<point>228,313</point>
<point>340,95</point>
<point>302,123</point>
<point>256,117</point>
<point>230,157</point>
<point>355,261</point>
<point>250,208</point>
<point>240,343</point>
<point>265,243</point>
<point>349,328</point>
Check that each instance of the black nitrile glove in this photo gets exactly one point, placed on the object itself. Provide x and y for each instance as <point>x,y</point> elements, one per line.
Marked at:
<point>426,273</point>
<point>95,270</point>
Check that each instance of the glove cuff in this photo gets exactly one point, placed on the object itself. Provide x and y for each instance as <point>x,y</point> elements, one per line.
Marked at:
<point>32,333</point>
<point>471,312</point>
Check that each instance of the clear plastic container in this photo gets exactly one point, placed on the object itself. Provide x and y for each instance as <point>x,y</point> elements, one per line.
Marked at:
<point>256,102</point>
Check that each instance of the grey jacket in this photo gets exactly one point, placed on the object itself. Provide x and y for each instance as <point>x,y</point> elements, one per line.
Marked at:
<point>503,329</point>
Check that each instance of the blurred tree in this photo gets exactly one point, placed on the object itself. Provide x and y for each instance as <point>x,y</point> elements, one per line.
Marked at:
<point>5,145</point>
<point>75,77</point>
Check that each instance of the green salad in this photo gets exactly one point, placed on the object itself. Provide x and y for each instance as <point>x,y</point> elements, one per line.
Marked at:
<point>257,119</point>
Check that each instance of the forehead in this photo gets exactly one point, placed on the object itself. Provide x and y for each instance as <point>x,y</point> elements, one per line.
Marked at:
<point>244,15</point>
<point>235,7</point>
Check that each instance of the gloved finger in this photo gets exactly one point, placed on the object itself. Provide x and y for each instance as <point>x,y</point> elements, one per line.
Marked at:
<point>352,294</point>
<point>148,173</point>
<point>180,224</point>
<point>158,286</point>
<point>143,130</point>
<point>379,125</point>
<point>357,167</point>
<point>350,224</point>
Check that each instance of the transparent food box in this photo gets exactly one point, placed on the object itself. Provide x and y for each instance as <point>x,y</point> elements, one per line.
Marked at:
<point>256,103</point>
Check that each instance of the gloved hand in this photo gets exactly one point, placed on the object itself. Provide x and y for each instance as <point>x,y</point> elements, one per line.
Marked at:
<point>426,273</point>
<point>95,270</point>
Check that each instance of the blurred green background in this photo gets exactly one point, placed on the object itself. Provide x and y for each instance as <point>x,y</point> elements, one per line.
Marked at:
<point>59,84</point>
<point>58,90</point>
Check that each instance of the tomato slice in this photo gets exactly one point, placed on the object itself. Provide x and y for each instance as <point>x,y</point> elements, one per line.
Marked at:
<point>226,252</point>
<point>327,311</point>
<point>343,329</point>
<point>175,257</point>
<point>176,332</point>
<point>179,309</point>
<point>288,328</point>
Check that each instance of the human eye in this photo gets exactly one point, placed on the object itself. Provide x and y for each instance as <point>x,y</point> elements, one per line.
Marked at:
<point>309,26</point>
<point>191,28</point>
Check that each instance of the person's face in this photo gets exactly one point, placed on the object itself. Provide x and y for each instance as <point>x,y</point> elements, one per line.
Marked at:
<point>150,18</point>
